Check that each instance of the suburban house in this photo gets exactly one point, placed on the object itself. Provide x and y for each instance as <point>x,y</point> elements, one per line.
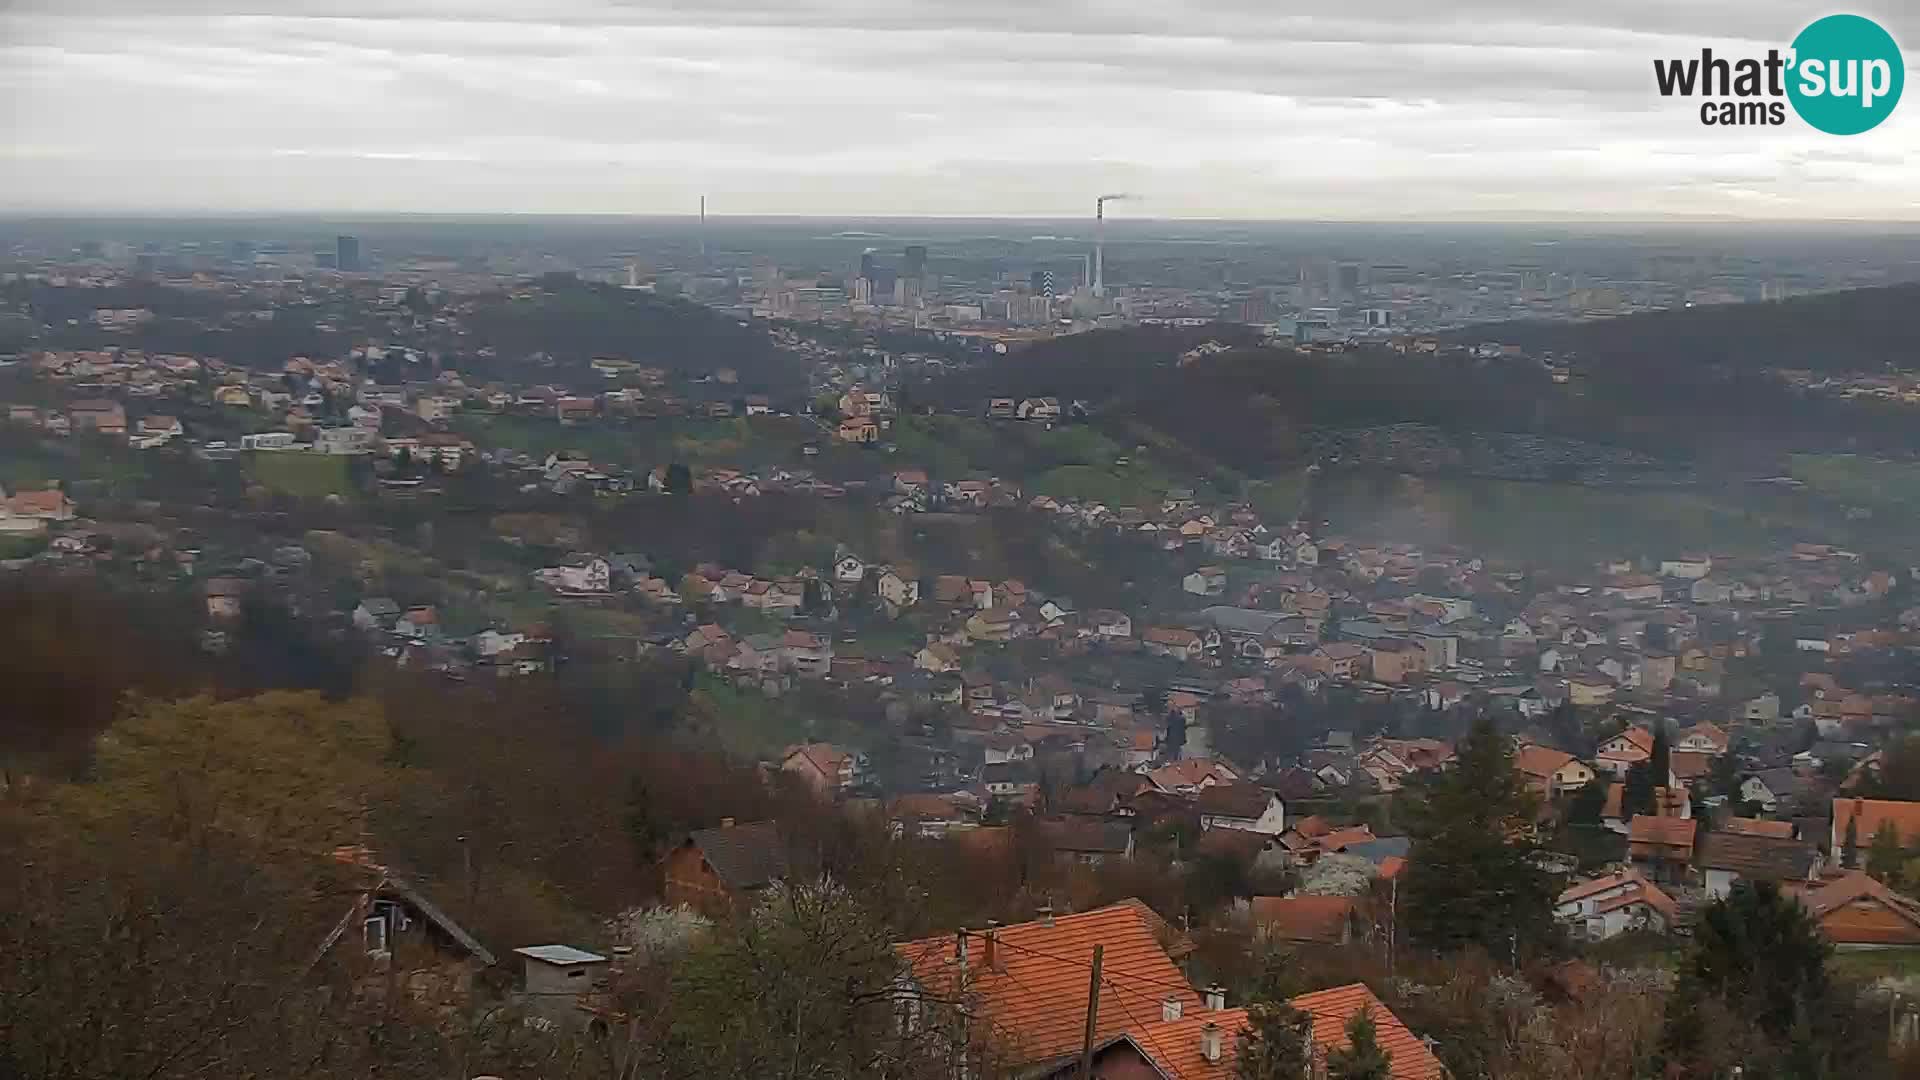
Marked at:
<point>714,870</point>
<point>1857,913</point>
<point>1206,581</point>
<point>1703,738</point>
<point>1245,806</point>
<point>98,415</point>
<point>50,504</point>
<point>937,658</point>
<point>1662,847</point>
<point>1110,624</point>
<point>1857,821</point>
<point>1087,841</point>
<point>807,652</point>
<point>1027,982</point>
<point>1727,857</point>
<point>822,767</point>
<point>1317,920</point>
<point>392,935</point>
<point>1613,904</point>
<point>1771,789</point>
<point>1173,641</point>
<point>898,590</point>
<point>1550,772</point>
<point>1344,659</point>
<point>1625,750</point>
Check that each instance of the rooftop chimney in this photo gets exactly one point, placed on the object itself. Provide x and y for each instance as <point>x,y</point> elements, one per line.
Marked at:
<point>1046,914</point>
<point>1170,1008</point>
<point>726,823</point>
<point>1216,997</point>
<point>992,935</point>
<point>1210,1042</point>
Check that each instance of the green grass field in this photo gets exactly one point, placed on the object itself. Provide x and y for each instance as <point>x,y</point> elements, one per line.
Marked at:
<point>309,476</point>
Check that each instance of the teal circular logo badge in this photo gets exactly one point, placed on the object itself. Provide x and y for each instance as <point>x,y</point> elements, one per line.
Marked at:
<point>1846,74</point>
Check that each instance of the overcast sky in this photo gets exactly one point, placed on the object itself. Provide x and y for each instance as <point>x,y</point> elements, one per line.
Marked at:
<point>1319,109</point>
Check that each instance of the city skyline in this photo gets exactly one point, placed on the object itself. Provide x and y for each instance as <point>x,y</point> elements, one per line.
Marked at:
<point>1506,112</point>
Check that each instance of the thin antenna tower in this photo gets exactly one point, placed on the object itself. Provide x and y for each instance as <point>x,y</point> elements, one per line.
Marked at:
<point>1100,240</point>
<point>703,226</point>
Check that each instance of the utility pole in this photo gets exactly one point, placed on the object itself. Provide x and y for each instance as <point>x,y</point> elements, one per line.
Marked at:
<point>1093,1015</point>
<point>466,867</point>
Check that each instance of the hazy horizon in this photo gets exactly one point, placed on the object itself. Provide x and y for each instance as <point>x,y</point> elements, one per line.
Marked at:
<point>1500,111</point>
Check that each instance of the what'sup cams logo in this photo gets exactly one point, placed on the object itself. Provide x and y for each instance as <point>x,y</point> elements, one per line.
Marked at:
<point>1843,74</point>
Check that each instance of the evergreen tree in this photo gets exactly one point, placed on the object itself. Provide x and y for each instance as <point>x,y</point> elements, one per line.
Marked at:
<point>1637,793</point>
<point>643,827</point>
<point>1176,733</point>
<point>1276,1045</point>
<point>1588,804</point>
<point>1759,961</point>
<point>679,479</point>
<point>1883,854</point>
<point>1850,843</point>
<point>1363,1058</point>
<point>1662,759</point>
<point>1471,878</point>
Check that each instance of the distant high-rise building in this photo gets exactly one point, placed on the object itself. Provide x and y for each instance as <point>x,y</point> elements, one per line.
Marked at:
<point>869,264</point>
<point>1349,278</point>
<point>145,263</point>
<point>92,249</point>
<point>240,252</point>
<point>346,253</point>
<point>916,267</point>
<point>1043,283</point>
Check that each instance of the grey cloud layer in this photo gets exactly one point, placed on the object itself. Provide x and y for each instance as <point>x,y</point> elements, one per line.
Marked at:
<point>1226,108</point>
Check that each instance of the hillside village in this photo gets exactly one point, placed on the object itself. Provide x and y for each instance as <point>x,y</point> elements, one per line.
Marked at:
<point>1188,733</point>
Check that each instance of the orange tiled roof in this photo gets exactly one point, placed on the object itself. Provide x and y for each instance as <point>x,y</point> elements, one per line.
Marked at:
<point>1305,918</point>
<point>1584,889</point>
<point>1174,1045</point>
<point>1874,813</point>
<point>1664,831</point>
<point>1645,891</point>
<point>1034,995</point>
<point>1740,826</point>
<point>1540,761</point>
<point>1857,910</point>
<point>1331,1011</point>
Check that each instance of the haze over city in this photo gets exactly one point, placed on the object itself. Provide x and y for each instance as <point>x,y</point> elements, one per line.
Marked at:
<point>1501,110</point>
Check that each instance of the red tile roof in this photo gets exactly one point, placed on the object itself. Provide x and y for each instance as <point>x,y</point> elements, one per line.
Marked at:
<point>1321,919</point>
<point>1034,995</point>
<point>1740,826</point>
<point>1540,761</point>
<point>1857,910</point>
<point>1666,832</point>
<point>1174,1045</point>
<point>1332,1010</point>
<point>1874,813</point>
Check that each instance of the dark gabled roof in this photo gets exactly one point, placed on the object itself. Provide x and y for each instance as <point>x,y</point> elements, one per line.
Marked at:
<point>743,856</point>
<point>1092,837</point>
<point>1237,800</point>
<point>1783,782</point>
<point>1386,847</point>
<point>1757,858</point>
<point>391,882</point>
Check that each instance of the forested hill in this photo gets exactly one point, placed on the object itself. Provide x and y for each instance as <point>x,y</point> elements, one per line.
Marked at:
<point>573,322</point>
<point>1251,406</point>
<point>1855,330</point>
